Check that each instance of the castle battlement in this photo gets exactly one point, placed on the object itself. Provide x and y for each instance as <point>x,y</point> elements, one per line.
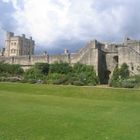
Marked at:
<point>103,56</point>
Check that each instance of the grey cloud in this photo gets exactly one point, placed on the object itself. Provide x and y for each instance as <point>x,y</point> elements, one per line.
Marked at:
<point>59,45</point>
<point>109,20</point>
<point>6,19</point>
<point>7,22</point>
<point>130,15</point>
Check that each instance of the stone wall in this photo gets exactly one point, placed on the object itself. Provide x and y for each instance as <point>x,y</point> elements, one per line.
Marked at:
<point>103,56</point>
<point>87,55</point>
<point>130,54</point>
<point>18,45</point>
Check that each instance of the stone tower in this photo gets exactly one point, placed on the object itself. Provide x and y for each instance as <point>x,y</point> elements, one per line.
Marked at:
<point>18,45</point>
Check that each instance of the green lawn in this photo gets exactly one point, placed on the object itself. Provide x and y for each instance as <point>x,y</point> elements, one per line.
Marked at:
<point>42,112</point>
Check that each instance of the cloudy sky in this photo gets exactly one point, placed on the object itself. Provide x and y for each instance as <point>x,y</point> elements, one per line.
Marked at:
<point>59,24</point>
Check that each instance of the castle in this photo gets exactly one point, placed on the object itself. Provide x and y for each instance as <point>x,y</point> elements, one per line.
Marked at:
<point>103,56</point>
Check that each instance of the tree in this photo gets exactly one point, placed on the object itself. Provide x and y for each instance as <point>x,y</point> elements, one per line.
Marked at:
<point>119,74</point>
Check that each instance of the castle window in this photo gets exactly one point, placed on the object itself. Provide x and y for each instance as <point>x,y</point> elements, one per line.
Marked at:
<point>13,50</point>
<point>15,43</point>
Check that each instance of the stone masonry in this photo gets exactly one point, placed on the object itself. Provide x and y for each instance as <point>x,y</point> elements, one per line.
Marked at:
<point>18,45</point>
<point>103,56</point>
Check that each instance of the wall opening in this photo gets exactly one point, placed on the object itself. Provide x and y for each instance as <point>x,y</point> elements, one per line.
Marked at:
<point>116,59</point>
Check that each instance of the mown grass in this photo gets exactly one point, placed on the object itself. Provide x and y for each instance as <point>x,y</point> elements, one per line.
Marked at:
<point>45,112</point>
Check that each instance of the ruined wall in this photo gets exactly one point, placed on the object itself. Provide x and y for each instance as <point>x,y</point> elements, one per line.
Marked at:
<point>87,55</point>
<point>93,54</point>
<point>103,56</point>
<point>111,52</point>
<point>59,58</point>
<point>130,54</point>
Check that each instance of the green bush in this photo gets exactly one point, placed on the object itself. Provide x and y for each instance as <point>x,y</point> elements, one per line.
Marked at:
<point>137,79</point>
<point>32,81</point>
<point>42,67</point>
<point>56,78</point>
<point>10,70</point>
<point>124,71</point>
<point>33,74</point>
<point>57,73</point>
<point>137,85</point>
<point>62,80</point>
<point>119,76</point>
<point>128,83</point>
<point>61,68</point>
<point>80,74</point>
<point>78,83</point>
<point>86,74</point>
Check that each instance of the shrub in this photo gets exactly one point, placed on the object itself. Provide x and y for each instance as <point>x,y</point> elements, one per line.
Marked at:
<point>57,73</point>
<point>33,74</point>
<point>42,67</point>
<point>32,81</point>
<point>119,75</point>
<point>137,79</point>
<point>124,71</point>
<point>78,83</point>
<point>86,74</point>
<point>129,83</point>
<point>61,68</point>
<point>137,85</point>
<point>56,78</point>
<point>10,69</point>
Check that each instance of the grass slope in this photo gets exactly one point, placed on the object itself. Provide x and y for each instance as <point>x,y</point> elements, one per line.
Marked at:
<point>40,112</point>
